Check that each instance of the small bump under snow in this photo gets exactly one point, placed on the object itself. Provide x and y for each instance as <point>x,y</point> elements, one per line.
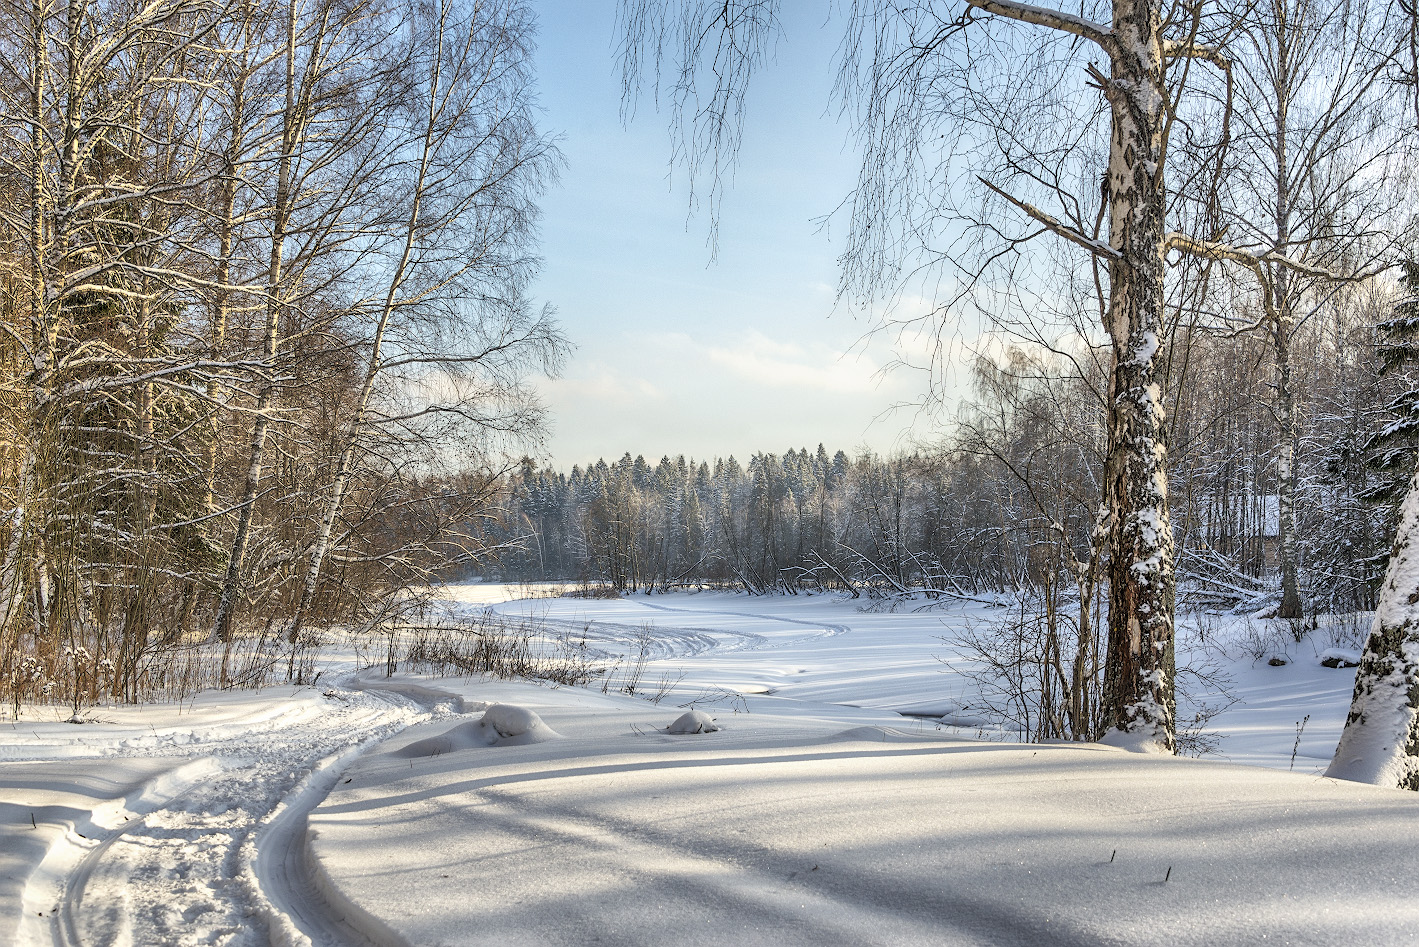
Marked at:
<point>693,721</point>
<point>500,725</point>
<point>1340,658</point>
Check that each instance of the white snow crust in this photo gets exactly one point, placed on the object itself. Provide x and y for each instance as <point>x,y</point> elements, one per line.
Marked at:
<point>820,828</point>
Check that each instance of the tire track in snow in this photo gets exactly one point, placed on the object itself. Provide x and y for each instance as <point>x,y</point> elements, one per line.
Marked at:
<point>666,641</point>
<point>73,858</point>
<point>282,869</point>
<point>197,857</point>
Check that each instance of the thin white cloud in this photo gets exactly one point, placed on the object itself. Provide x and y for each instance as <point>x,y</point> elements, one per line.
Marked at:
<point>601,383</point>
<point>791,365</point>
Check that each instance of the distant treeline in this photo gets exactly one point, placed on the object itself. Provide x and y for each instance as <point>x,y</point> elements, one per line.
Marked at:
<point>1007,500</point>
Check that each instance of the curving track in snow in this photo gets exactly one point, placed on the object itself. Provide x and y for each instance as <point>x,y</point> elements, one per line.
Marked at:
<point>829,629</point>
<point>604,638</point>
<point>609,639</point>
<point>214,849</point>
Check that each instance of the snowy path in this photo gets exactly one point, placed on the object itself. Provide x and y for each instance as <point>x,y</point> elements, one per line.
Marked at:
<point>197,834</point>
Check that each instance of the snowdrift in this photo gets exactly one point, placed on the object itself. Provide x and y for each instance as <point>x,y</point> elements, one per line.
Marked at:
<point>500,725</point>
<point>825,830</point>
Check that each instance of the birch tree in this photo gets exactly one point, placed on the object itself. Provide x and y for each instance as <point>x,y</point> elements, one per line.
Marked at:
<point>474,164</point>
<point>322,178</point>
<point>894,60</point>
<point>1311,194</point>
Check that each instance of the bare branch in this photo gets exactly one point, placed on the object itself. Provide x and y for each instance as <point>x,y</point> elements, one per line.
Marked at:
<point>1055,226</point>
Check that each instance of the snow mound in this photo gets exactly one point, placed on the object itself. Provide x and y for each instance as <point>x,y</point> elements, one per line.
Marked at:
<point>500,725</point>
<point>1134,741</point>
<point>693,721</point>
<point>510,722</point>
<point>1340,658</point>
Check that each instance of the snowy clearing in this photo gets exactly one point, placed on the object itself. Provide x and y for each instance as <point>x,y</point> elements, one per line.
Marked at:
<point>815,830</point>
<point>458,811</point>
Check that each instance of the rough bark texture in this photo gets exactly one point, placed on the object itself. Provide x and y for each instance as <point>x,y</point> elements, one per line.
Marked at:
<point>1139,671</point>
<point>1291,603</point>
<point>1283,327</point>
<point>1380,742</point>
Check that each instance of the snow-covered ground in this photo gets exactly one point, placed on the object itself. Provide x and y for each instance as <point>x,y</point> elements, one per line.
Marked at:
<point>407,811</point>
<point>828,649</point>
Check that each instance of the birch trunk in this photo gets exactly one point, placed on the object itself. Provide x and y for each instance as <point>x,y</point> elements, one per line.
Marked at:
<point>1283,327</point>
<point>291,121</point>
<point>1286,422</point>
<point>1138,693</point>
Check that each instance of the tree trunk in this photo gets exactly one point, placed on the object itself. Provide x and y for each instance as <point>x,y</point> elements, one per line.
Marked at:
<point>292,121</point>
<point>1283,326</point>
<point>1380,742</point>
<point>1139,699</point>
<point>1291,604</point>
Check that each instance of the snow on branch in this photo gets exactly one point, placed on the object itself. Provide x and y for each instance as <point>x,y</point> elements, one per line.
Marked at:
<point>1212,250</point>
<point>1173,49</point>
<point>1055,19</point>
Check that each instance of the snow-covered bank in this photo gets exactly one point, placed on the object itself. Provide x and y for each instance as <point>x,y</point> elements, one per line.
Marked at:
<point>834,827</point>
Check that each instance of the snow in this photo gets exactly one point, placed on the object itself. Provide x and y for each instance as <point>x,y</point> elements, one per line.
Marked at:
<point>816,829</point>
<point>148,825</point>
<point>500,725</point>
<point>693,721</point>
<point>1134,741</point>
<point>851,786</point>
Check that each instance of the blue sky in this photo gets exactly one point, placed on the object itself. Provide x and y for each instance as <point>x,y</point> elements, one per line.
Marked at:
<point>676,354</point>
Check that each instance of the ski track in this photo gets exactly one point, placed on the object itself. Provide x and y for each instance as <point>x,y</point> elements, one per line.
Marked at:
<point>678,641</point>
<point>830,630</point>
<point>215,850</point>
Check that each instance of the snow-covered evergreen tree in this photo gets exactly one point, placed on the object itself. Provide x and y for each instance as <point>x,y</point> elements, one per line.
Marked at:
<point>1380,743</point>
